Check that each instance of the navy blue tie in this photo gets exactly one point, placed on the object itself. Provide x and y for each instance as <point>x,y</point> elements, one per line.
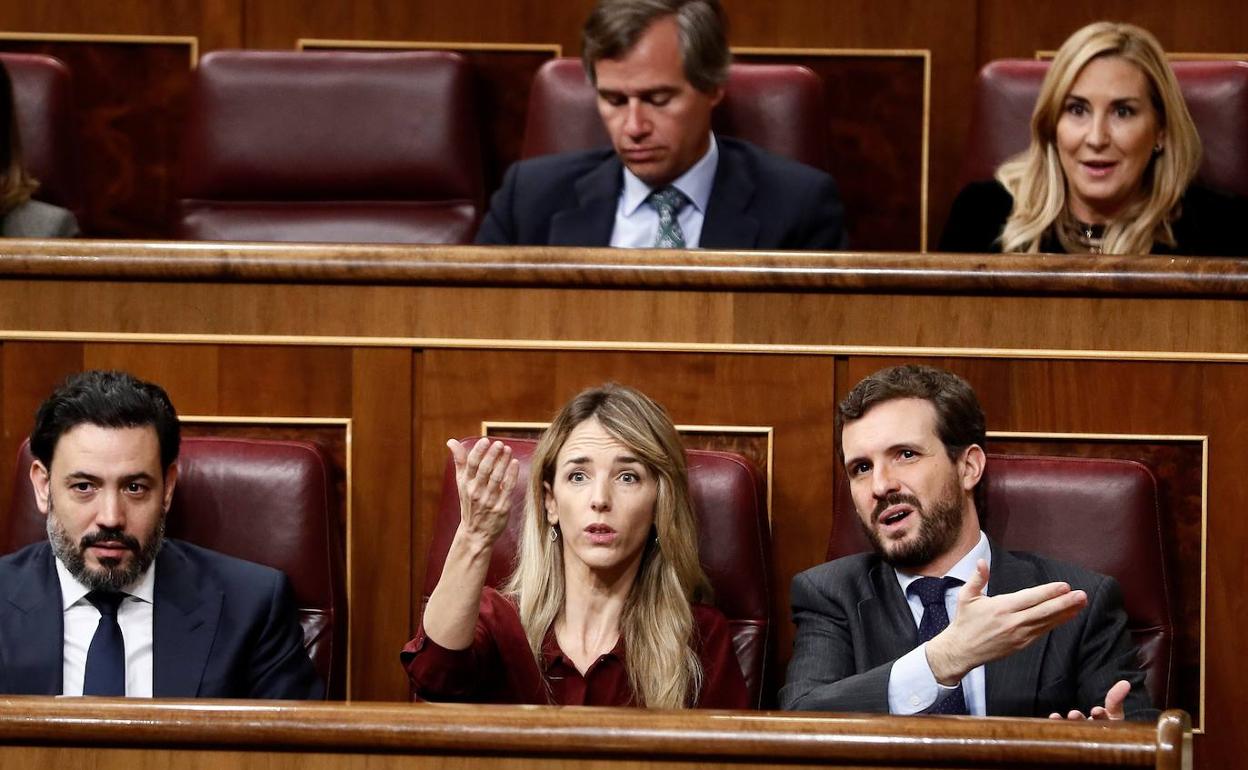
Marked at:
<point>106,658</point>
<point>931,591</point>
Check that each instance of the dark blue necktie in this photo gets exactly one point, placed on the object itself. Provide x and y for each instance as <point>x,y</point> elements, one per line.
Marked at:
<point>106,658</point>
<point>931,591</point>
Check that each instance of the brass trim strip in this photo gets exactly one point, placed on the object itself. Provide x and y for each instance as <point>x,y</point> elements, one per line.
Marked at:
<point>305,43</point>
<point>74,37</point>
<point>634,346</point>
<point>348,513</point>
<point>897,53</point>
<point>1203,440</point>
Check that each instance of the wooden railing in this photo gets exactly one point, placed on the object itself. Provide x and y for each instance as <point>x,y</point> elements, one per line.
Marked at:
<point>55,732</point>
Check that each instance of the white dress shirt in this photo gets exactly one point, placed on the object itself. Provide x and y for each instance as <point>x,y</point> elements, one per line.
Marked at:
<point>81,619</point>
<point>912,687</point>
<point>637,222</point>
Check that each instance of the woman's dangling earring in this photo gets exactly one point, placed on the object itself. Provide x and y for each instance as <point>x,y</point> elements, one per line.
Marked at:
<point>554,533</point>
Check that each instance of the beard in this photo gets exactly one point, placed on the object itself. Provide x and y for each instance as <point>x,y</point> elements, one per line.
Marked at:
<point>112,574</point>
<point>938,529</point>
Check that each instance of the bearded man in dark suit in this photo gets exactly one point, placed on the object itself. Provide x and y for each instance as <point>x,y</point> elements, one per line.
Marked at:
<point>938,619</point>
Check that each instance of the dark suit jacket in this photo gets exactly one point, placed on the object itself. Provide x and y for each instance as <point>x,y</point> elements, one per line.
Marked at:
<point>853,622</point>
<point>221,627</point>
<point>758,201</point>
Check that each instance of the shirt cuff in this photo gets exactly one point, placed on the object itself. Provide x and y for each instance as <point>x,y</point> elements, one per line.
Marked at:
<point>912,687</point>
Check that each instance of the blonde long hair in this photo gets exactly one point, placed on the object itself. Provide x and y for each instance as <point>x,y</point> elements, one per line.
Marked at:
<point>1035,177</point>
<point>657,623</point>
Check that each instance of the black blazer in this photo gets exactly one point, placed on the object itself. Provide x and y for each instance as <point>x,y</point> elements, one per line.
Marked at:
<point>1211,224</point>
<point>758,201</point>
<point>221,627</point>
<point>853,623</point>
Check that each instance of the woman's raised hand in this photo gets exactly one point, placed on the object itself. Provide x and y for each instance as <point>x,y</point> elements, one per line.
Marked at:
<point>485,477</point>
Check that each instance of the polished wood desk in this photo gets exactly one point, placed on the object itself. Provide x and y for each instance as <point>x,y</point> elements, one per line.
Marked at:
<point>54,733</point>
<point>382,353</point>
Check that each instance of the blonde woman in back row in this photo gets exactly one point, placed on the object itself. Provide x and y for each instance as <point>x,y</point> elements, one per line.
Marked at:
<point>1110,167</point>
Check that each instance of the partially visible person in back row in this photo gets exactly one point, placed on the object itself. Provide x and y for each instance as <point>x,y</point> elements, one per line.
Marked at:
<point>1110,167</point>
<point>660,67</point>
<point>20,216</point>
<point>607,604</point>
<point>108,605</point>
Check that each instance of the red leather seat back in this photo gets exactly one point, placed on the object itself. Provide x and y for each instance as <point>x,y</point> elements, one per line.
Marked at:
<point>270,502</point>
<point>1216,93</point>
<point>44,100</point>
<point>778,107</point>
<point>733,541</point>
<point>331,146</point>
<point>1101,514</point>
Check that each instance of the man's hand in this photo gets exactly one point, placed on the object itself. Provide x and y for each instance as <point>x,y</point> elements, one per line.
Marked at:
<point>992,627</point>
<point>1112,709</point>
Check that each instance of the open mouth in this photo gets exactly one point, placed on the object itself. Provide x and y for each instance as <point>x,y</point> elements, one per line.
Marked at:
<point>1098,168</point>
<point>600,534</point>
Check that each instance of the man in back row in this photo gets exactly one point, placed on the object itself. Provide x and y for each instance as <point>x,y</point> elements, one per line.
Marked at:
<point>109,606</point>
<point>919,626</point>
<point>659,68</point>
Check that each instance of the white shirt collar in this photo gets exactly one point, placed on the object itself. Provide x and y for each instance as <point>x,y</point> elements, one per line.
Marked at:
<point>962,570</point>
<point>696,183</point>
<point>72,591</point>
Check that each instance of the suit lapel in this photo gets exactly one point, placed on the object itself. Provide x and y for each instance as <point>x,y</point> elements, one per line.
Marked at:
<point>887,622</point>
<point>591,222</point>
<point>185,616</point>
<point>729,222</point>
<point>1011,683</point>
<point>32,630</point>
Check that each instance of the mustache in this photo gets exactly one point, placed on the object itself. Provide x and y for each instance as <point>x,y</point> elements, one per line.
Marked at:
<point>109,534</point>
<point>895,498</point>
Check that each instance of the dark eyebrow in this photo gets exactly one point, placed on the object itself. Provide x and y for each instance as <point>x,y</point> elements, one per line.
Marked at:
<point>142,476</point>
<point>576,460</point>
<point>77,476</point>
<point>647,93</point>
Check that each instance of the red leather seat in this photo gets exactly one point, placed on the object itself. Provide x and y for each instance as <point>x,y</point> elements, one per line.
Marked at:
<point>44,101</point>
<point>331,146</point>
<point>270,502</point>
<point>1101,514</point>
<point>733,542</point>
<point>778,107</point>
<point>1216,93</point>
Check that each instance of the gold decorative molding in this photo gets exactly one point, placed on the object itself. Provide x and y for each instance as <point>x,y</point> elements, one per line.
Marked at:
<point>631,346</point>
<point>73,37</point>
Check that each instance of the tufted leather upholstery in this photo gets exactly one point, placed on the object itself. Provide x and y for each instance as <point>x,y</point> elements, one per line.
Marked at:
<point>331,146</point>
<point>270,502</point>
<point>778,107</point>
<point>44,100</point>
<point>1216,94</point>
<point>733,541</point>
<point>1102,514</point>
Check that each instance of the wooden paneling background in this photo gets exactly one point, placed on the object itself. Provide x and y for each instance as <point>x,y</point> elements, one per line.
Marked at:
<point>411,361</point>
<point>960,34</point>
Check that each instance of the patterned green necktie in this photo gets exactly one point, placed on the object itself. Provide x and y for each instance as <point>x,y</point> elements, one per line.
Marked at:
<point>668,202</point>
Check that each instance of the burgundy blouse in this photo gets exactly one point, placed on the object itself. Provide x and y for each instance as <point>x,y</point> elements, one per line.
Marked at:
<point>499,668</point>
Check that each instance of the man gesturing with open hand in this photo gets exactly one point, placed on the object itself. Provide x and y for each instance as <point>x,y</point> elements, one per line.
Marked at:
<point>938,619</point>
